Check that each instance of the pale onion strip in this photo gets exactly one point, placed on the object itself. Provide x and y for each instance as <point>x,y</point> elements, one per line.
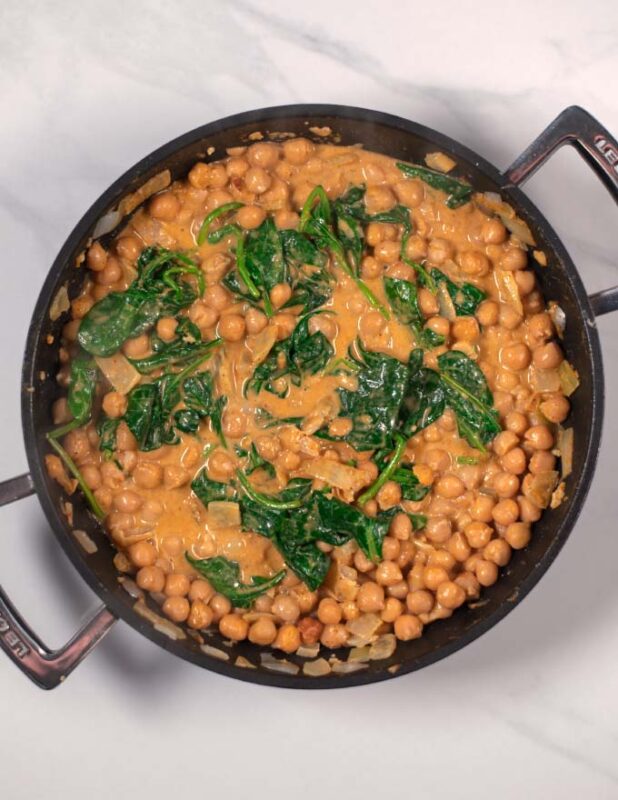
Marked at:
<point>308,650</point>
<point>279,665</point>
<point>131,588</point>
<point>509,290</point>
<point>317,668</point>
<point>565,446</point>
<point>340,476</point>
<point>569,379</point>
<point>383,647</point>
<point>60,303</point>
<point>214,652</point>
<point>347,667</point>
<point>440,162</point>
<point>119,372</point>
<point>241,661</point>
<point>223,514</point>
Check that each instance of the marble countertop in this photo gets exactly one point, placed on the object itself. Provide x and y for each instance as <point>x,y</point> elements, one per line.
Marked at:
<point>529,710</point>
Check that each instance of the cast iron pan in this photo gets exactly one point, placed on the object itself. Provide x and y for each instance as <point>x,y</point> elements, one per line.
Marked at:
<point>395,137</point>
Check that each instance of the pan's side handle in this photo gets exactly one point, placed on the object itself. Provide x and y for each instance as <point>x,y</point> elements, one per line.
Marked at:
<point>47,668</point>
<point>576,127</point>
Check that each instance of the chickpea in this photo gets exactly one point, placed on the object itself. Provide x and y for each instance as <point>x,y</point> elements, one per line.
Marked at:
<point>310,630</point>
<point>91,476</point>
<point>232,327</point>
<point>438,529</point>
<point>175,476</point>
<point>458,547</point>
<point>498,551</point>
<point>526,281</point>
<point>401,527</point>
<point>474,263</point>
<point>218,198</point>
<point>96,257</point>
<point>547,356</point>
<point>488,313</point>
<point>263,631</point>
<point>176,608</point>
<point>439,325</point>
<point>516,422</point>
<point>234,423</point>
<point>555,407</point>
<point>284,324</point>
<point>389,495</point>
<point>263,154</point>
<point>257,180</point>
<point>542,461</point>
<point>370,597</point>
<point>200,615</point>
<point>148,475</point>
<point>288,638</point>
<point>176,585</point>
<point>439,251</point>
<point>137,347</point>
<point>110,274</point>
<point>370,268</point>
<point>540,328</point>
<point>469,584</point>
<point>410,192</point>
<point>416,248</point>
<point>486,572</point>
<point>280,294</point>
<point>362,563</point>
<point>505,512</point>
<point>393,608</point>
<point>434,576</point>
<point>391,548</point>
<point>514,258</point>
<point>387,252</point>
<point>478,534</point>
<point>517,535</point>
<point>233,626</point>
<point>515,356</point>
<point>216,297</point>
<point>255,321</point>
<point>286,608</point>
<point>142,554</point>
<point>528,511</point>
<point>371,323</point>
<point>77,445</point>
<point>150,579</point>
<point>164,206</point>
<point>506,484</point>
<point>286,219</point>
<point>408,627</point>
<point>329,611</point>
<point>220,606</point>
<point>201,589</point>
<point>203,316</point>
<point>450,595</point>
<point>81,306</point>
<point>514,462</point>
<point>166,328</point>
<point>388,573</point>
<point>493,232</point>
<point>250,217</point>
<point>379,198</point>
<point>127,501</point>
<point>539,437</point>
<point>465,329</point>
<point>114,404</point>
<point>334,636</point>
<point>449,486</point>
<point>419,602</point>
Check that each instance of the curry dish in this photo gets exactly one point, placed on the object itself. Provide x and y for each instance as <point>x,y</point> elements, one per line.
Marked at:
<point>315,395</point>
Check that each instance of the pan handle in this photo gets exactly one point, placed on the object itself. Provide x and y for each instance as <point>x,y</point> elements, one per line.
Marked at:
<point>47,668</point>
<point>576,127</point>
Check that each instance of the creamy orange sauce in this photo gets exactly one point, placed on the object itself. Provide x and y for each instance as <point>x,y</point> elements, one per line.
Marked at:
<point>469,246</point>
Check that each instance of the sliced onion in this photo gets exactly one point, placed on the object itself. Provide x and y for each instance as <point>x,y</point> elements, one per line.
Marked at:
<point>491,203</point>
<point>317,668</point>
<point>440,162</point>
<point>60,303</point>
<point>538,488</point>
<point>558,496</point>
<point>565,447</point>
<point>308,650</point>
<point>544,380</point>
<point>223,514</point>
<point>119,372</point>
<point>241,661</point>
<point>215,652</point>
<point>569,379</point>
<point>383,647</point>
<point>558,317</point>
<point>131,588</point>
<point>279,665</point>
<point>261,344</point>
<point>445,301</point>
<point>346,667</point>
<point>509,290</point>
<point>335,474</point>
<point>359,653</point>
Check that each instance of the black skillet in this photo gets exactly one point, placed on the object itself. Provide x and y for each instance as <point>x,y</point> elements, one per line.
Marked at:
<point>396,137</point>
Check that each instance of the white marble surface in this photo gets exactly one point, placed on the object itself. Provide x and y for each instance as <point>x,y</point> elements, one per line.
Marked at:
<point>529,710</point>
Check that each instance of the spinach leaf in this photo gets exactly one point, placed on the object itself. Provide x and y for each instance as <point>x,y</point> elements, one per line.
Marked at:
<point>255,462</point>
<point>425,399</point>
<point>318,222</point>
<point>208,490</point>
<point>403,297</point>
<point>467,393</point>
<point>466,297</point>
<point>82,385</point>
<point>337,522</point>
<point>374,405</point>
<point>458,192</point>
<point>186,346</point>
<point>264,260</point>
<point>224,575</point>
<point>302,353</point>
<point>156,292</point>
<point>149,410</point>
<point>106,430</point>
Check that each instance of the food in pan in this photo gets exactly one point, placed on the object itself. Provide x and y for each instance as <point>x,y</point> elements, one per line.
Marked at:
<point>315,395</point>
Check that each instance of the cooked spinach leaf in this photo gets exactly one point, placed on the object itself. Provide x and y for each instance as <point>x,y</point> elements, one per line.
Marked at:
<point>208,490</point>
<point>82,385</point>
<point>106,430</point>
<point>403,298</point>
<point>186,346</point>
<point>224,575</point>
<point>156,292</point>
<point>466,297</point>
<point>458,192</point>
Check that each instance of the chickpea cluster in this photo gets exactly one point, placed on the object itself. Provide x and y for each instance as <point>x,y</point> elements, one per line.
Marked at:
<point>479,508</point>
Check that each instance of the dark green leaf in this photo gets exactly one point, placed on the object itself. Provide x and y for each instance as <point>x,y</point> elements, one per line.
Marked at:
<point>82,385</point>
<point>466,297</point>
<point>106,429</point>
<point>458,192</point>
<point>403,297</point>
<point>208,490</point>
<point>224,575</point>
